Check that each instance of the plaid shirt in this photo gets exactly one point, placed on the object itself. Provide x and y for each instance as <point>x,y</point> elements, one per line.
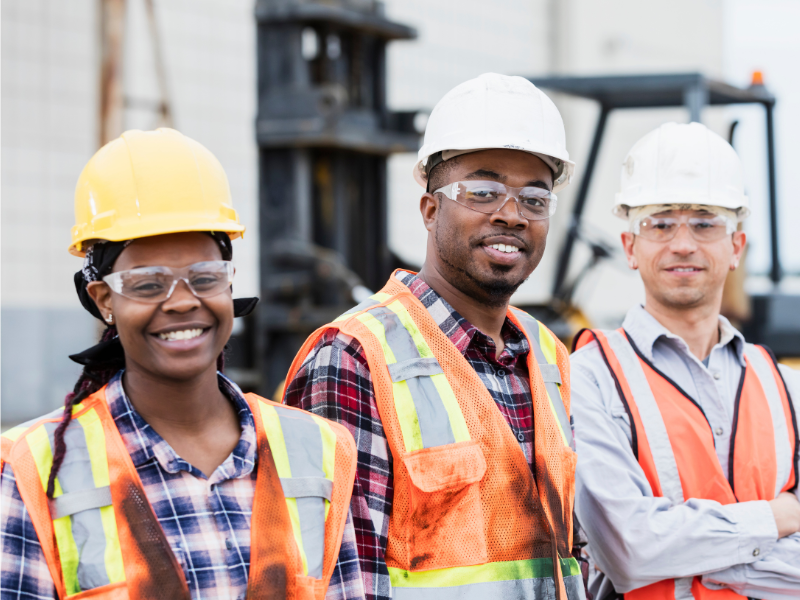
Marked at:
<point>334,382</point>
<point>206,519</point>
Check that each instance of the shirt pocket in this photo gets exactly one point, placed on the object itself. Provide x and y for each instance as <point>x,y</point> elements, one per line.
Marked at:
<point>446,526</point>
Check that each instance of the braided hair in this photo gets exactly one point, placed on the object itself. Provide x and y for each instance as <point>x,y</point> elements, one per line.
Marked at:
<point>103,361</point>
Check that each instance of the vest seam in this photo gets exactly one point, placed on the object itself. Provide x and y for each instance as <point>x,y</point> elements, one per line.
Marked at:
<point>735,429</point>
<point>792,413</point>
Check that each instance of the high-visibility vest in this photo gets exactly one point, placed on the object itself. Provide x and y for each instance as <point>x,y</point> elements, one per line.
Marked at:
<point>469,518</point>
<point>102,539</point>
<point>674,444</point>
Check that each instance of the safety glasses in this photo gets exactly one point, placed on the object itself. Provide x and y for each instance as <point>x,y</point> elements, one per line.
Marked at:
<point>534,203</point>
<point>156,284</point>
<point>703,228</point>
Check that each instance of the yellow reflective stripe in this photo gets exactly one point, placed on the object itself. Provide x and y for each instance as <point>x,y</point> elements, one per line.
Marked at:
<point>512,570</point>
<point>13,433</point>
<point>328,453</point>
<point>98,456</point>
<point>379,297</point>
<point>457,422</point>
<point>403,402</point>
<point>277,444</point>
<point>422,346</point>
<point>42,454</point>
<point>548,345</point>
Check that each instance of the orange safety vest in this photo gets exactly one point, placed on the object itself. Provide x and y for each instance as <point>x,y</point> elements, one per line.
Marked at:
<point>469,519</point>
<point>674,444</point>
<point>101,538</point>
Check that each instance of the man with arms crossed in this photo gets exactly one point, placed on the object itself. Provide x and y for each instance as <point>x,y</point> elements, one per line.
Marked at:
<point>460,404</point>
<point>687,434</point>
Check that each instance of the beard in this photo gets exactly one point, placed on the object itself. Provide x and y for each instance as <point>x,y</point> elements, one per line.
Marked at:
<point>493,289</point>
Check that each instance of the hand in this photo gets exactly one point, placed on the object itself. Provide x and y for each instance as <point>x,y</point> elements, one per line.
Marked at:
<point>786,510</point>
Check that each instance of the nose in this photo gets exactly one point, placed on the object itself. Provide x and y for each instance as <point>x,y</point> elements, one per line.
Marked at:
<point>509,215</point>
<point>683,242</point>
<point>181,300</point>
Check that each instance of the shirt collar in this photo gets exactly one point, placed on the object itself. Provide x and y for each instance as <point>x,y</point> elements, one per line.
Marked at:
<point>460,331</point>
<point>145,444</point>
<point>646,331</point>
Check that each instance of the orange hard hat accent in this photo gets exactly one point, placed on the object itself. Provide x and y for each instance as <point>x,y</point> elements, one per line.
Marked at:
<point>753,469</point>
<point>151,569</point>
<point>471,502</point>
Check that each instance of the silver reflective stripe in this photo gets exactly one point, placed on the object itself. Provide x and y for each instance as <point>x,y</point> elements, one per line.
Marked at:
<point>683,588</point>
<point>550,373</point>
<point>653,423</point>
<point>531,327</point>
<point>780,428</point>
<point>75,476</point>
<point>307,487</point>
<point>75,502</point>
<point>358,308</point>
<point>304,446</point>
<point>434,422</point>
<point>416,367</point>
<point>529,589</point>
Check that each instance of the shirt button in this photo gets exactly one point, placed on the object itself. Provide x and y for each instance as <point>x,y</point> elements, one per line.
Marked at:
<point>521,436</point>
<point>756,552</point>
<point>501,373</point>
<point>719,431</point>
<point>717,375</point>
<point>228,544</point>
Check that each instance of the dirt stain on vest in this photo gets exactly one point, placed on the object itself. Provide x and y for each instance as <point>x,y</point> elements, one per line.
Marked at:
<point>418,560</point>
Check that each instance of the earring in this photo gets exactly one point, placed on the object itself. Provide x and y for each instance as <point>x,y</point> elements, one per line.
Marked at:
<point>110,319</point>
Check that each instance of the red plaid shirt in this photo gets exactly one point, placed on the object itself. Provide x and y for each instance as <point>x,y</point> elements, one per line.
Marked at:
<point>335,382</point>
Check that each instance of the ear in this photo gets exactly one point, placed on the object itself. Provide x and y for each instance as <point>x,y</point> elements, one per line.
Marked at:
<point>101,294</point>
<point>739,244</point>
<point>628,240</point>
<point>429,208</point>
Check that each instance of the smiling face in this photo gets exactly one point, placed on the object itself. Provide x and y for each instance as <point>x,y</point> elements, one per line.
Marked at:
<point>180,338</point>
<point>684,273</point>
<point>487,256</point>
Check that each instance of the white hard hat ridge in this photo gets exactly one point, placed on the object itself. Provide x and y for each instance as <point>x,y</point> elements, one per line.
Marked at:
<point>682,164</point>
<point>496,111</point>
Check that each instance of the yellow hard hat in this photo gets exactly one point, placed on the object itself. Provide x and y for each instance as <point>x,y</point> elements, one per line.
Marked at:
<point>150,183</point>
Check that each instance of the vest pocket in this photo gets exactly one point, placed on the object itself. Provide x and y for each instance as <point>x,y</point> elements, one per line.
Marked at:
<point>446,525</point>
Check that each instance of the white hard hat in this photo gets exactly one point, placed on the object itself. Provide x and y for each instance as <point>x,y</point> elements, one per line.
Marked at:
<point>684,165</point>
<point>496,111</point>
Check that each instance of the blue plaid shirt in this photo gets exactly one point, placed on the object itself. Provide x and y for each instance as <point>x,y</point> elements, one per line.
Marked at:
<point>206,519</point>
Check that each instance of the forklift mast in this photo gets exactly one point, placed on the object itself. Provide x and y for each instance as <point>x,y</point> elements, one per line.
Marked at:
<point>324,133</point>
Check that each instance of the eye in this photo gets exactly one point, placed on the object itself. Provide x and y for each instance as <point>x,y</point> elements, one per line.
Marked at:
<point>482,194</point>
<point>206,279</point>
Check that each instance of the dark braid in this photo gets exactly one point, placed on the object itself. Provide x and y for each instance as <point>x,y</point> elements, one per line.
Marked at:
<point>91,380</point>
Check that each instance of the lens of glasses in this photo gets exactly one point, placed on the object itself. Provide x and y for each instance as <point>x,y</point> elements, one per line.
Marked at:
<point>153,284</point>
<point>489,196</point>
<point>702,229</point>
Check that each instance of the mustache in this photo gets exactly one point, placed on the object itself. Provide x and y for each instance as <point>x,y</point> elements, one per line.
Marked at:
<point>476,241</point>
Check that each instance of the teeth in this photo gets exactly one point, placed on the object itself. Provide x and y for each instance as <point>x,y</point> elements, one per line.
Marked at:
<point>684,269</point>
<point>186,334</point>
<point>504,248</point>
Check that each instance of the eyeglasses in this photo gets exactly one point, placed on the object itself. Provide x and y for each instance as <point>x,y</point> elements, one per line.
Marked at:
<point>156,284</point>
<point>534,203</point>
<point>709,228</point>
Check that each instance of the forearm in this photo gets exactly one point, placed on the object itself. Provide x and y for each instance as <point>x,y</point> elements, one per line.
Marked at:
<point>775,577</point>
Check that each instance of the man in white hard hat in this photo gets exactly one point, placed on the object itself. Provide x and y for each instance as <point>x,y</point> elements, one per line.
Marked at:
<point>460,404</point>
<point>687,435</point>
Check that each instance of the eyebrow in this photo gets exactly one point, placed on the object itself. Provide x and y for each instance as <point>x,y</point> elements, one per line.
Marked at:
<point>488,173</point>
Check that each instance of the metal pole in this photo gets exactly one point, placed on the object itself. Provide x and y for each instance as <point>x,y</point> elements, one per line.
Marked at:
<point>577,209</point>
<point>775,272</point>
<point>695,98</point>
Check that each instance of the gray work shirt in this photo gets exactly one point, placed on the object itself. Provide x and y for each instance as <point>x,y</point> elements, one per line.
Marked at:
<point>636,539</point>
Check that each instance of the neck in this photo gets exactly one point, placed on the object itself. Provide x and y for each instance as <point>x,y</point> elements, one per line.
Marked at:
<point>187,405</point>
<point>697,326</point>
<point>488,319</point>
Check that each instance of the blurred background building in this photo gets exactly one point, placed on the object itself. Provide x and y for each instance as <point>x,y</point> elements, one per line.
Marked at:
<point>192,64</point>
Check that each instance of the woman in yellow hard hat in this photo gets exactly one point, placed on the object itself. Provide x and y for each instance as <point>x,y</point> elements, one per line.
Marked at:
<point>160,478</point>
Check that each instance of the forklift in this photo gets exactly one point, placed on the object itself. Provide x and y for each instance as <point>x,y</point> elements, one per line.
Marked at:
<point>774,318</point>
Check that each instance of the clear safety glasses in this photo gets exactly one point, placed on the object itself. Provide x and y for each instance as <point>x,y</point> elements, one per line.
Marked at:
<point>156,284</point>
<point>534,203</point>
<point>703,228</point>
